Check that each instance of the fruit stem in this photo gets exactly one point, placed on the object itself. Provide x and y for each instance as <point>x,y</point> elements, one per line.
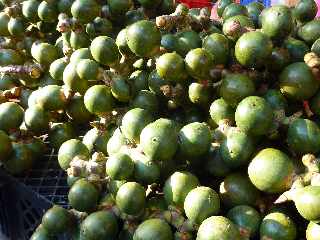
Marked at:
<point>220,133</point>
<point>34,71</point>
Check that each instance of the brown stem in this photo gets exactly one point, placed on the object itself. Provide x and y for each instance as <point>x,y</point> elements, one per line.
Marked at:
<point>34,71</point>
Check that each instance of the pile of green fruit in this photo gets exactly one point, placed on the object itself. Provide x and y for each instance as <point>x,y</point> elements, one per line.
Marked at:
<point>195,128</point>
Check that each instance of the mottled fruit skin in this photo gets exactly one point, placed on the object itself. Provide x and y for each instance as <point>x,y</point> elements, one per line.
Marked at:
<point>11,116</point>
<point>85,10</point>
<point>41,234</point>
<point>296,48</point>
<point>254,115</point>
<point>310,31</point>
<point>36,119</point>
<point>218,46</point>
<point>234,9</point>
<point>201,203</point>
<point>97,140</point>
<point>307,202</point>
<point>199,94</point>
<point>105,51</point>
<point>5,146</point>
<point>170,66</point>
<point>305,10</point>
<point>277,226</point>
<point>221,5</point>
<point>221,110</point>
<point>313,231</point>
<point>153,229</point>
<point>119,166</point>
<point>99,225</point>
<point>271,171</point>
<point>218,227</point>
<point>297,82</point>
<point>52,98</point>
<point>44,53</point>
<point>56,69</point>
<point>177,187</point>
<point>56,220</point>
<point>234,33</point>
<point>199,62</point>
<point>30,10</point>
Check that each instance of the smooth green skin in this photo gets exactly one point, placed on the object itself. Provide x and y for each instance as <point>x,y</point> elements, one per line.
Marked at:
<point>119,166</point>
<point>155,82</point>
<point>105,51</point>
<point>41,234</point>
<point>30,10</point>
<point>133,123</point>
<point>221,5</point>
<point>121,42</point>
<point>254,115</point>
<point>56,220</point>
<point>275,99</point>
<point>79,40</point>
<point>131,198</point>
<point>304,136</point>
<point>77,112</point>
<point>194,139</point>
<point>113,187</point>
<point>278,226</point>
<point>69,150</point>
<point>83,196</point>
<point>246,218</point>
<point>316,47</point>
<point>253,49</point>
<point>20,160</point>
<point>5,146</point>
<point>99,27</point>
<point>244,21</point>
<point>87,69</point>
<point>159,140</point>
<point>82,53</point>
<point>11,116</point>
<point>235,87</point>
<point>138,81</point>
<point>236,189</point>
<point>170,42</point>
<point>16,26</point>
<point>36,119</point>
<point>64,6</point>
<point>234,9</point>
<point>297,82</point>
<point>48,12</point>
<point>133,16</point>
<point>177,187</point>
<point>277,21</point>
<point>218,46</point>
<point>119,7</point>
<point>10,57</point>
<point>100,225</point>
<point>32,100</point>
<point>116,142</point>
<point>279,59</point>
<point>271,171</point>
<point>218,227</point>
<point>201,203</point>
<point>153,229</point>
<point>199,62</point>
<point>44,53</point>
<point>305,10</point>
<point>98,100</point>
<point>296,48</point>
<point>187,41</point>
<point>4,20</point>
<point>170,66</point>
<point>221,110</point>
<point>237,148</point>
<point>52,98</point>
<point>307,202</point>
<point>310,32</point>
<point>72,80</point>
<point>145,170</point>
<point>215,166</point>
<point>97,140</point>
<point>315,104</point>
<point>254,11</point>
<point>147,100</point>
<point>60,133</point>
<point>199,94</point>
<point>143,38</point>
<point>120,89</point>
<point>85,10</point>
<point>313,231</point>
<point>56,68</point>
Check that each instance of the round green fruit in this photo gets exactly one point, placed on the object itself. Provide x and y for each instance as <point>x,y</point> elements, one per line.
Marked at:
<point>56,220</point>
<point>120,166</point>
<point>11,116</point>
<point>153,229</point>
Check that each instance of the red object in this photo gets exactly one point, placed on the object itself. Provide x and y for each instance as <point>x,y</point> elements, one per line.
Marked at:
<point>197,3</point>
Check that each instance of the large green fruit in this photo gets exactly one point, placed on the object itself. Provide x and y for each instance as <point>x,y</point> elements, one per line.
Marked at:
<point>97,140</point>
<point>143,38</point>
<point>5,146</point>
<point>11,116</point>
<point>57,220</point>
<point>305,10</point>
<point>201,203</point>
<point>60,133</point>
<point>307,201</point>
<point>79,40</point>
<point>218,227</point>
<point>199,94</point>
<point>218,46</point>
<point>30,10</point>
<point>234,9</point>
<point>72,80</point>
<point>296,48</point>
<point>120,166</point>
<point>313,231</point>
<point>83,196</point>
<point>146,100</point>
<point>170,66</point>
<point>271,171</point>
<point>199,62</point>
<point>221,110</point>
<point>52,98</point>
<point>254,11</point>
<point>138,81</point>
<point>297,82</point>
<point>131,198</point>
<point>177,187</point>
<point>99,225</point>
<point>47,11</point>
<point>276,99</point>
<point>277,226</point>
<point>77,111</point>
<point>153,229</point>
<point>221,5</point>
<point>119,7</point>
<point>57,67</point>
<point>254,115</point>
<point>105,51</point>
<point>36,119</point>
<point>85,10</point>
<point>159,140</point>
<point>116,142</point>
<point>71,149</point>
<point>310,32</point>
<point>82,53</point>
<point>188,40</point>
<point>44,53</point>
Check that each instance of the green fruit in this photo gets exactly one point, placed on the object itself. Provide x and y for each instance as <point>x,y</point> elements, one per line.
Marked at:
<point>122,43</point>
<point>97,140</point>
<point>138,81</point>
<point>246,218</point>
<point>155,82</point>
<point>133,16</point>
<point>307,202</point>
<point>105,51</point>
<point>99,27</point>
<point>253,49</point>
<point>64,6</point>
<point>119,166</point>
<point>275,99</point>
<point>98,100</point>
<point>201,203</point>
<point>4,20</point>
<point>77,112</point>
<point>234,9</point>
<point>88,69</point>
<point>305,10</point>
<point>229,26</point>
<point>170,66</point>
<point>313,231</point>
<point>44,53</point>
<point>159,140</point>
<point>221,110</point>
<point>116,142</point>
<point>271,171</point>
<point>83,196</point>
<point>10,57</point>
<point>30,10</point>
<point>236,189</point>
<point>170,42</point>
<point>215,166</point>
<point>177,187</point>
<point>221,5</point>
<point>119,7</point>
<point>131,198</point>
<point>52,98</point>
<point>296,48</point>
<point>85,10</point>
<point>153,229</point>
<point>254,11</point>
<point>310,32</point>
<point>41,234</point>
<point>199,62</point>
<point>56,220</point>
<point>47,11</point>
<point>143,38</point>
<point>36,119</point>
<point>79,40</point>
<point>146,100</point>
<point>187,41</point>
<point>5,146</point>
<point>99,225</point>
<point>82,53</point>
<point>218,46</point>
<point>277,226</point>
<point>316,47</point>
<point>120,89</point>
<point>72,80</point>
<point>60,133</point>
<point>220,228</point>
<point>297,82</point>
<point>16,26</point>
<point>11,116</point>
<point>69,150</point>
<point>57,67</point>
<point>199,94</point>
<point>279,59</point>
<point>277,21</point>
